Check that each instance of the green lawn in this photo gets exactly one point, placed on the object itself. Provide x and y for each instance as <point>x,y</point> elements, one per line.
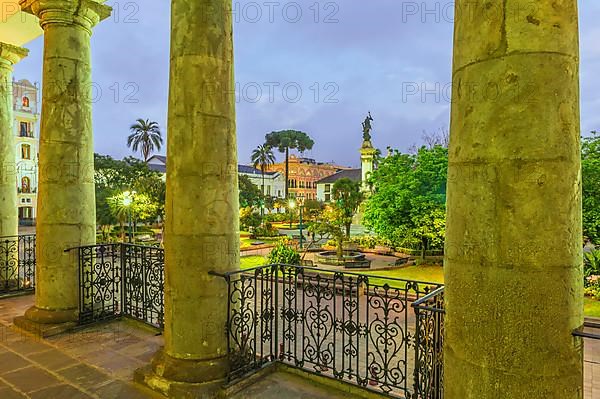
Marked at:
<point>247,242</point>
<point>247,262</point>
<point>430,274</point>
<point>591,307</point>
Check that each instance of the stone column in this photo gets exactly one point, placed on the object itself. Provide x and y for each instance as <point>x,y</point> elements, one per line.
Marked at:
<point>367,163</point>
<point>66,201</point>
<point>202,221</point>
<point>513,266</point>
<point>9,218</point>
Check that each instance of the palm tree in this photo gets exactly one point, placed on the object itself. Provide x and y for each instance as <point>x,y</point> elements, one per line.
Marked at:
<point>146,137</point>
<point>262,157</point>
<point>286,139</point>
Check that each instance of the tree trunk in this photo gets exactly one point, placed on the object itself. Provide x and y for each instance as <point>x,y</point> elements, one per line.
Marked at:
<point>348,231</point>
<point>262,207</point>
<point>287,182</point>
<point>122,231</point>
<point>340,250</point>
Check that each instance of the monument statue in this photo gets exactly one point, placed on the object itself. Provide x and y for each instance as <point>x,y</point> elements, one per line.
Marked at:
<point>367,127</point>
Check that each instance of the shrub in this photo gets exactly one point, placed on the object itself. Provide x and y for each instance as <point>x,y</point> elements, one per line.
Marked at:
<point>365,241</point>
<point>277,217</point>
<point>283,253</point>
<point>591,269</point>
<point>266,231</point>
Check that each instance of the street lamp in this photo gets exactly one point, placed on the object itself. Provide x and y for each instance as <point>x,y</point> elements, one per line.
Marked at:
<point>300,209</point>
<point>127,202</point>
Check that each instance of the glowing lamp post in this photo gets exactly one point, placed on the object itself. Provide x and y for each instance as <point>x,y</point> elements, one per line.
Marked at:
<point>127,202</point>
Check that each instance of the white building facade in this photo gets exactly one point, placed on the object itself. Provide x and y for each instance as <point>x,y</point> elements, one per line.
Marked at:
<point>26,130</point>
<point>274,181</point>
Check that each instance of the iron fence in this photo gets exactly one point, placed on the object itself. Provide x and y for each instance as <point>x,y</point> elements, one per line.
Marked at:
<point>121,280</point>
<point>17,264</point>
<point>348,326</point>
<point>429,359</point>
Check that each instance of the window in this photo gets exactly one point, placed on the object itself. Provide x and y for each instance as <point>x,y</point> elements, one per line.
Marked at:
<point>328,188</point>
<point>327,197</point>
<point>25,151</point>
<point>26,102</point>
<point>25,212</point>
<point>25,185</point>
<point>25,129</point>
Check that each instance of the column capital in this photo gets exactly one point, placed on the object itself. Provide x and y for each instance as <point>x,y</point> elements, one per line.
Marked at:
<point>84,13</point>
<point>10,55</point>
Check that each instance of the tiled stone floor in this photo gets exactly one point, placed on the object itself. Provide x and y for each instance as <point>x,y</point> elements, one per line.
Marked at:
<point>98,362</point>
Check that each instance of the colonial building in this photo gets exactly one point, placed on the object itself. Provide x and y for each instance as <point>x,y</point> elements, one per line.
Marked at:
<point>26,112</point>
<point>304,173</point>
<point>274,181</point>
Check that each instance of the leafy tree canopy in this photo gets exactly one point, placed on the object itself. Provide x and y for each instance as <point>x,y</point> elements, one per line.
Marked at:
<point>117,174</point>
<point>250,195</point>
<point>347,196</point>
<point>289,139</point>
<point>408,202</point>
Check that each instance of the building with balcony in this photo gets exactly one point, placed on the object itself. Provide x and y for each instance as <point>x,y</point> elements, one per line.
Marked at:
<point>304,173</point>
<point>26,128</point>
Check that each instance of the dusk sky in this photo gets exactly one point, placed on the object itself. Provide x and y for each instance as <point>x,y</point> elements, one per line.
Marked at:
<point>347,57</point>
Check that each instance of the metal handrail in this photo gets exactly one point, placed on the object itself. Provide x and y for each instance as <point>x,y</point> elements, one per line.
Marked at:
<point>322,271</point>
<point>420,303</point>
<point>580,333</point>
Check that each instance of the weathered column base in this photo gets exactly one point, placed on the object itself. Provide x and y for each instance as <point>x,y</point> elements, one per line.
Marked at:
<point>184,379</point>
<point>46,323</point>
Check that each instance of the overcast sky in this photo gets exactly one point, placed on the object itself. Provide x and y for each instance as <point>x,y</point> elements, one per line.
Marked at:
<point>311,66</point>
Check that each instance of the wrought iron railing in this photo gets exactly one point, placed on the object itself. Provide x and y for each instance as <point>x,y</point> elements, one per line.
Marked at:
<point>121,280</point>
<point>17,264</point>
<point>347,326</point>
<point>429,360</point>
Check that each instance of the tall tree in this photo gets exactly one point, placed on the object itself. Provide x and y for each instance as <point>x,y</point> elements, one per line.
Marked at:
<point>348,197</point>
<point>284,140</point>
<point>407,206</point>
<point>262,157</point>
<point>249,194</point>
<point>145,137</point>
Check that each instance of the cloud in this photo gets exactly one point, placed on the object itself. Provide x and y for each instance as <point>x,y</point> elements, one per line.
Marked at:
<point>347,57</point>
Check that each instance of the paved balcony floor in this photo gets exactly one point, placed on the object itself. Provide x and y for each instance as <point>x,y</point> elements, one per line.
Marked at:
<point>99,361</point>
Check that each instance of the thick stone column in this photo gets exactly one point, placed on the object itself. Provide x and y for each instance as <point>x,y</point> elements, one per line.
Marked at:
<point>9,223</point>
<point>66,202</point>
<point>202,221</point>
<point>9,218</point>
<point>513,249</point>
